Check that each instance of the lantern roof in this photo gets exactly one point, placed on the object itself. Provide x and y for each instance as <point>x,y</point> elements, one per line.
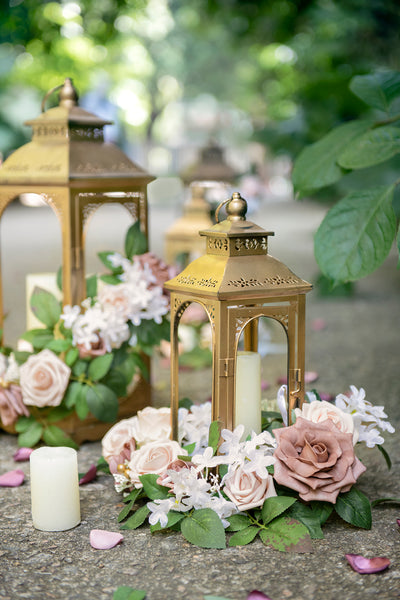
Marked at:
<point>67,144</point>
<point>237,264</point>
<point>211,166</point>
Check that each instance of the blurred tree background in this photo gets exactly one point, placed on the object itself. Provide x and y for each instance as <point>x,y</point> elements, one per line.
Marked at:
<point>174,73</point>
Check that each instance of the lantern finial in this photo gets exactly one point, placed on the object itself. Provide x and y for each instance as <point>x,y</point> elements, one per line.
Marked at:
<point>68,94</point>
<point>236,208</point>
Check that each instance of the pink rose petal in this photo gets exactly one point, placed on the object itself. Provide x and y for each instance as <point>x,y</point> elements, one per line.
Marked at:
<point>256,595</point>
<point>12,478</point>
<point>367,565</point>
<point>318,324</point>
<point>89,475</point>
<point>104,540</point>
<point>265,385</point>
<point>22,454</point>
<point>398,522</point>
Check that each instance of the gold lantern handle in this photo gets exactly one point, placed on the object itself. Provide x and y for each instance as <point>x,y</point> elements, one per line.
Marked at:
<point>237,208</point>
<point>68,94</point>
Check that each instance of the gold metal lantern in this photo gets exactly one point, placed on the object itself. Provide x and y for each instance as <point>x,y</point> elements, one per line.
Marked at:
<point>73,170</point>
<point>237,282</point>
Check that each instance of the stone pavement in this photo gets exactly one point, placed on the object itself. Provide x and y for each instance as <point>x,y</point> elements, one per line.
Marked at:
<point>358,346</point>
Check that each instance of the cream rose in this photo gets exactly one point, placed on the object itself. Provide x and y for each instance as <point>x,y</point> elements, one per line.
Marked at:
<point>248,490</point>
<point>44,379</point>
<point>117,297</point>
<point>151,425</point>
<point>154,457</point>
<point>318,411</point>
<point>118,444</point>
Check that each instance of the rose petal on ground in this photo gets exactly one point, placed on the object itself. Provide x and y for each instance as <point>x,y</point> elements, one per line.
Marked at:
<point>367,565</point>
<point>12,478</point>
<point>398,522</point>
<point>318,324</point>
<point>256,595</point>
<point>89,475</point>
<point>104,540</point>
<point>22,454</point>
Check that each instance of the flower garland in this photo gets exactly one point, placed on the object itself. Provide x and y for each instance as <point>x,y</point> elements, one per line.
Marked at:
<point>86,356</point>
<point>281,485</point>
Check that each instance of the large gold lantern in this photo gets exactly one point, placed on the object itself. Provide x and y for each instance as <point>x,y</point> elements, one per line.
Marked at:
<point>237,282</point>
<point>73,170</point>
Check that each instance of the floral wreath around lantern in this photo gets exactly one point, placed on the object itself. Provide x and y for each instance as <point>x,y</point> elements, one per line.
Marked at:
<point>281,485</point>
<point>87,356</point>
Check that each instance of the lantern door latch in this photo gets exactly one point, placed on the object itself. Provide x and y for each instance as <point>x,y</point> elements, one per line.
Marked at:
<point>227,367</point>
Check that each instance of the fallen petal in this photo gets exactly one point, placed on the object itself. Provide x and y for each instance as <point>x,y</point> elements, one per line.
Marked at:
<point>22,454</point>
<point>12,478</point>
<point>398,522</point>
<point>265,385</point>
<point>367,565</point>
<point>256,595</point>
<point>89,475</point>
<point>104,540</point>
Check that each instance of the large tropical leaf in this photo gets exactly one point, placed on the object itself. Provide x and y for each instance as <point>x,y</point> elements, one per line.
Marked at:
<point>371,148</point>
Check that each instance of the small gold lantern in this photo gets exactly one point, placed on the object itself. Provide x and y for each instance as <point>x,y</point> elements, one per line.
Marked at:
<point>237,282</point>
<point>70,167</point>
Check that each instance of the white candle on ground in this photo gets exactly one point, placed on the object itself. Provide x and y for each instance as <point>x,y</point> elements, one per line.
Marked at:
<point>248,391</point>
<point>55,488</point>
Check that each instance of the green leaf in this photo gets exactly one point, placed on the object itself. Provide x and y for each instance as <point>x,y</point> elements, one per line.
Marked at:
<point>71,356</point>
<point>316,166</point>
<point>116,381</point>
<point>30,335</point>
<point>125,511</point>
<point>321,509</point>
<point>371,148</point>
<point>173,518</point>
<point>102,402</point>
<point>30,436</point>
<point>103,256</point>
<point>58,413</point>
<point>275,506</point>
<point>377,90</point>
<point>45,306</point>
<point>81,405</point>
<point>238,522</point>
<point>24,423</point>
<point>127,593</point>
<point>310,519</point>
<point>385,501</point>
<point>214,435</point>
<point>102,465</point>
<point>59,278</point>
<point>54,436</point>
<point>79,367</point>
<point>91,286</point>
<point>354,508</point>
<point>110,279</point>
<point>244,536</point>
<point>22,357</point>
<point>74,389</point>
<point>137,519</point>
<point>59,345</point>
<point>385,456</point>
<point>135,241</point>
<point>204,528</point>
<point>356,235</point>
<point>152,489</point>
<point>190,448</point>
<point>398,247</point>
<point>287,535</point>
<point>133,495</point>
<point>186,403</point>
<point>100,366</point>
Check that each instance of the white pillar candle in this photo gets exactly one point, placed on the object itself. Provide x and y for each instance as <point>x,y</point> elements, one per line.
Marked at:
<point>248,391</point>
<point>55,488</point>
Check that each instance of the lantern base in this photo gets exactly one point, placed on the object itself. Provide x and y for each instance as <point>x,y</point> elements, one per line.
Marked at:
<point>91,429</point>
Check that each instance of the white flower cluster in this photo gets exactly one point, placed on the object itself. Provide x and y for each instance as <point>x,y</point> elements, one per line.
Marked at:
<point>253,456</point>
<point>194,425</point>
<point>369,419</point>
<point>134,299</point>
<point>9,369</point>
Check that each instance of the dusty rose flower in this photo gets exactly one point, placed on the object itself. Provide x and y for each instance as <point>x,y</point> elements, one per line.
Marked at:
<point>316,459</point>
<point>154,457</point>
<point>248,490</point>
<point>318,411</point>
<point>96,349</point>
<point>151,425</point>
<point>44,379</point>
<point>159,269</point>
<point>11,404</point>
<point>118,444</point>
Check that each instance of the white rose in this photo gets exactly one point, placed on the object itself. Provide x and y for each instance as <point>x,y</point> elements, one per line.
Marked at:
<point>248,490</point>
<point>116,297</point>
<point>151,425</point>
<point>44,379</point>
<point>318,411</point>
<point>118,444</point>
<point>154,457</point>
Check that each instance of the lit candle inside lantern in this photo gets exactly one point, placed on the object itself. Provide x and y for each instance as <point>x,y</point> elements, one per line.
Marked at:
<point>54,488</point>
<point>248,391</point>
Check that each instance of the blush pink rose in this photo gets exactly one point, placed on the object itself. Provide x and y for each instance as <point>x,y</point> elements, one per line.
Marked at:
<point>44,379</point>
<point>117,297</point>
<point>316,459</point>
<point>248,490</point>
<point>318,411</point>
<point>159,268</point>
<point>11,404</point>
<point>154,457</point>
<point>96,349</point>
<point>118,444</point>
<point>151,425</point>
